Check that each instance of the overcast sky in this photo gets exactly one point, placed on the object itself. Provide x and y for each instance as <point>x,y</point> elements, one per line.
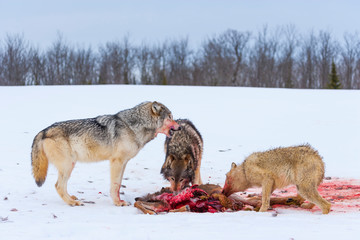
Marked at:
<point>97,22</point>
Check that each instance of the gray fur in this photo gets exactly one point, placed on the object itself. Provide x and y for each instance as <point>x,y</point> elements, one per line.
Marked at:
<point>183,155</point>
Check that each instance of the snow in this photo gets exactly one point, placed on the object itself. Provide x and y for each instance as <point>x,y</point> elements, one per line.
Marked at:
<point>234,122</point>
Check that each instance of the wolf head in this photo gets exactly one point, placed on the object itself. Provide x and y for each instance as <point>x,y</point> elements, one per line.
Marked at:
<point>165,123</point>
<point>178,171</point>
<point>235,180</point>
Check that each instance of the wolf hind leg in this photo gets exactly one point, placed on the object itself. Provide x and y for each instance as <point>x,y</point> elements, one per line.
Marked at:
<point>61,185</point>
<point>117,168</point>
<point>311,194</point>
<point>58,152</point>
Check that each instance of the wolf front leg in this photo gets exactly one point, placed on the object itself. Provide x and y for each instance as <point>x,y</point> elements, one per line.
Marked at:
<point>197,178</point>
<point>117,168</point>
<point>267,188</point>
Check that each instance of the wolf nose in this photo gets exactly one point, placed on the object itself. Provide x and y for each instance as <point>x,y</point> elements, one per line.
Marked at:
<point>176,129</point>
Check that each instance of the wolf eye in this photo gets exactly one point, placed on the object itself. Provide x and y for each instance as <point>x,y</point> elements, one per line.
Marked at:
<point>172,179</point>
<point>181,180</point>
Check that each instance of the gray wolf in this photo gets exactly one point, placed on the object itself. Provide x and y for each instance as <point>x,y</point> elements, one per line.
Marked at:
<point>183,156</point>
<point>117,138</point>
<point>277,168</point>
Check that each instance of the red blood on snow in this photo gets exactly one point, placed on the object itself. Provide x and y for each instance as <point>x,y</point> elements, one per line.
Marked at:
<point>343,194</point>
<point>192,197</point>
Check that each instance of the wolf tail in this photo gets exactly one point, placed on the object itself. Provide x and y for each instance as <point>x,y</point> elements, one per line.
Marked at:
<point>39,161</point>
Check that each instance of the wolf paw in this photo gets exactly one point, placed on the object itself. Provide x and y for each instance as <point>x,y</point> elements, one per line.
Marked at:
<point>74,197</point>
<point>75,203</point>
<point>121,203</point>
<point>263,209</point>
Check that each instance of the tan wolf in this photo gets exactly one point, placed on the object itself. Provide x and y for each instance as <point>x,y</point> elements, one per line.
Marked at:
<point>183,156</point>
<point>117,138</point>
<point>277,168</point>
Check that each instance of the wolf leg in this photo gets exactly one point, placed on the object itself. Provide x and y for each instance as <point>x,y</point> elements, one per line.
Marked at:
<point>197,178</point>
<point>267,188</point>
<point>117,168</point>
<point>311,194</point>
<point>58,152</point>
<point>61,184</point>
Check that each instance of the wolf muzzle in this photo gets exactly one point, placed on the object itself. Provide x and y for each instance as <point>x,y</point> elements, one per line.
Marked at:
<point>173,130</point>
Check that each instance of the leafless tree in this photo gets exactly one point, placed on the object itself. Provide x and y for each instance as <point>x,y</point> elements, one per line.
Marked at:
<point>286,62</point>
<point>143,64</point>
<point>14,60</point>
<point>349,55</point>
<point>2,77</point>
<point>37,69</point>
<point>307,62</point>
<point>214,62</point>
<point>159,64</point>
<point>179,62</point>
<point>58,63</point>
<point>263,59</point>
<point>236,44</point>
<point>222,59</point>
<point>117,61</point>
<point>327,50</point>
<point>83,63</point>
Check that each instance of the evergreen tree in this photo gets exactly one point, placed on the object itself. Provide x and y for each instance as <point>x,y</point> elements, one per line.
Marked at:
<point>334,79</point>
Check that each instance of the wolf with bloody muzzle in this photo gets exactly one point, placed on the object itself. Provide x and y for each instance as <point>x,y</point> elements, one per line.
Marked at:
<point>183,156</point>
<point>117,138</point>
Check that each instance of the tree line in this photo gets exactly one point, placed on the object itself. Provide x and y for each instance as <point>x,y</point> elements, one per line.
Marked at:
<point>280,57</point>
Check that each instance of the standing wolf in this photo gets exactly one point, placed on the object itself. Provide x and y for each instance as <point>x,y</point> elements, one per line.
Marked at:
<point>277,168</point>
<point>117,138</point>
<point>183,156</point>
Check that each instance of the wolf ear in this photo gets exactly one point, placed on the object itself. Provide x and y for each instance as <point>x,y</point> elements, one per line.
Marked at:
<point>156,108</point>
<point>233,165</point>
<point>190,164</point>
<point>169,160</point>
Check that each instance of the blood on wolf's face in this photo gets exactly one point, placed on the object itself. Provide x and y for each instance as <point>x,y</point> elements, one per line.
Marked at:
<point>168,127</point>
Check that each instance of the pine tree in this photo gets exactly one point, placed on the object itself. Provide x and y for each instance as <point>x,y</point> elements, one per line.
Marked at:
<point>334,79</point>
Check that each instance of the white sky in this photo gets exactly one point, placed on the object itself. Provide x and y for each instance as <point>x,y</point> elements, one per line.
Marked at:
<point>96,22</point>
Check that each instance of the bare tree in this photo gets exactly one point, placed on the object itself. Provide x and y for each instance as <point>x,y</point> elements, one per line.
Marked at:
<point>236,43</point>
<point>117,61</point>
<point>215,63</point>
<point>14,60</point>
<point>143,64</point>
<point>2,78</point>
<point>307,62</point>
<point>179,62</point>
<point>37,69</point>
<point>356,83</point>
<point>349,55</point>
<point>159,64</point>
<point>263,60</point>
<point>58,63</point>
<point>221,60</point>
<point>327,49</point>
<point>83,64</point>
<point>286,61</point>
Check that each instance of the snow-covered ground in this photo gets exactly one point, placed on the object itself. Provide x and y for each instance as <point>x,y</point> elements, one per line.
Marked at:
<point>234,122</point>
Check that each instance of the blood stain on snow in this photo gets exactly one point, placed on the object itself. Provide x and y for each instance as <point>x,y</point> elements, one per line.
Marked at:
<point>343,194</point>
